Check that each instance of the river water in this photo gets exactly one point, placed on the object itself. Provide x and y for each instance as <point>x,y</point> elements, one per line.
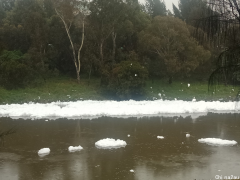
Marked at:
<point>175,157</point>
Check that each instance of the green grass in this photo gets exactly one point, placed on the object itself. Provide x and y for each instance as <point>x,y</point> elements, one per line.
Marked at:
<point>67,89</point>
<point>181,91</point>
<point>56,89</point>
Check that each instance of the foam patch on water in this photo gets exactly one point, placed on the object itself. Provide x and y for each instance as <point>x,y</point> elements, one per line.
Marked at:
<point>74,149</point>
<point>44,152</point>
<point>93,109</point>
<point>217,142</point>
<point>109,143</point>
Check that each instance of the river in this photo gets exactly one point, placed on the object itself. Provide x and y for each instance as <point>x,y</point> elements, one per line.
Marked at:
<point>174,157</point>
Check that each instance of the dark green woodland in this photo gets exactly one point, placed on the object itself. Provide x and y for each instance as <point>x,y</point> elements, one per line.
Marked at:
<point>122,43</point>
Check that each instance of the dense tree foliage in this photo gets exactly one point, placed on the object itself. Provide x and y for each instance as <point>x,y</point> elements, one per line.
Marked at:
<point>101,38</point>
<point>128,78</point>
<point>222,27</point>
<point>15,70</point>
<point>170,39</point>
<point>156,8</point>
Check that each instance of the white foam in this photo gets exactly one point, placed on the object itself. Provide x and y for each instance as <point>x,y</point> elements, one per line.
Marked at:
<point>109,143</point>
<point>160,137</point>
<point>131,170</point>
<point>187,135</point>
<point>217,142</point>
<point>92,109</point>
<point>43,152</point>
<point>74,149</point>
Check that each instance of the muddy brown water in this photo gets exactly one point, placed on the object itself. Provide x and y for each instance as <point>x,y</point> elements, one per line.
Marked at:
<point>175,157</point>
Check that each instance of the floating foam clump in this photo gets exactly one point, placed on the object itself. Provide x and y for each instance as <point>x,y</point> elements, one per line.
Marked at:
<point>160,137</point>
<point>73,149</point>
<point>131,170</point>
<point>217,142</point>
<point>109,143</point>
<point>44,152</point>
<point>187,135</point>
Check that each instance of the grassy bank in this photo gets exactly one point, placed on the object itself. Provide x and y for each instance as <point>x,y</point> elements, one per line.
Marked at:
<point>67,89</point>
<point>56,89</point>
<point>199,90</point>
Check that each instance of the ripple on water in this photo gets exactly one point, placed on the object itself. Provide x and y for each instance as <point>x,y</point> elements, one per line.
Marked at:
<point>10,156</point>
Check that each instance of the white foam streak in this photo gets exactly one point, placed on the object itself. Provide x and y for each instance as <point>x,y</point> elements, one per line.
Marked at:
<point>92,109</point>
<point>217,142</point>
<point>109,143</point>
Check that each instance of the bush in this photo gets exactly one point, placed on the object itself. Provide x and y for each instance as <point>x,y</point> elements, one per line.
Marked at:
<point>128,79</point>
<point>14,71</point>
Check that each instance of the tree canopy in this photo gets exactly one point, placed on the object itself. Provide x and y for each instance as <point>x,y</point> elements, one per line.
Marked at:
<point>96,38</point>
<point>170,39</point>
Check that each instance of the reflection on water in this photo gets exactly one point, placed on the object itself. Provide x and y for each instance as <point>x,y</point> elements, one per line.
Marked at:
<point>175,157</point>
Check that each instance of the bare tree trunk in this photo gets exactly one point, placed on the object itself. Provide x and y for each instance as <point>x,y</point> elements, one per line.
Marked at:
<point>41,57</point>
<point>225,78</point>
<point>79,51</point>
<point>114,35</point>
<point>89,74</point>
<point>101,50</point>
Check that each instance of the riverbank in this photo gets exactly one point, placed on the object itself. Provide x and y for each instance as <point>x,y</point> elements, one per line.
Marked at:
<point>67,89</point>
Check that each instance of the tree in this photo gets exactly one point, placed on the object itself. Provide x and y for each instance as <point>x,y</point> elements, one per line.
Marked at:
<point>128,78</point>
<point>191,10</point>
<point>7,5</point>
<point>28,23</point>
<point>156,8</point>
<point>222,23</point>
<point>176,12</point>
<point>15,70</point>
<point>170,39</point>
<point>72,11</point>
<point>105,16</point>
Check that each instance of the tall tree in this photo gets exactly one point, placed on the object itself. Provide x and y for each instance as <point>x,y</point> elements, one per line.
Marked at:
<point>156,8</point>
<point>170,39</point>
<point>105,17</point>
<point>176,12</point>
<point>192,9</point>
<point>73,11</point>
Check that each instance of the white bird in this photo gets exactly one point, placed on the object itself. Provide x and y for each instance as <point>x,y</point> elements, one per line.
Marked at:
<point>194,100</point>
<point>188,85</point>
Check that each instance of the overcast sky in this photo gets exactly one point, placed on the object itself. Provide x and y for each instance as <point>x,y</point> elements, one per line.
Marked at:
<point>167,2</point>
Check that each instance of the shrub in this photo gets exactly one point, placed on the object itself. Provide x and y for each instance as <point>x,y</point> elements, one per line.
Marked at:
<point>128,79</point>
<point>14,71</point>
